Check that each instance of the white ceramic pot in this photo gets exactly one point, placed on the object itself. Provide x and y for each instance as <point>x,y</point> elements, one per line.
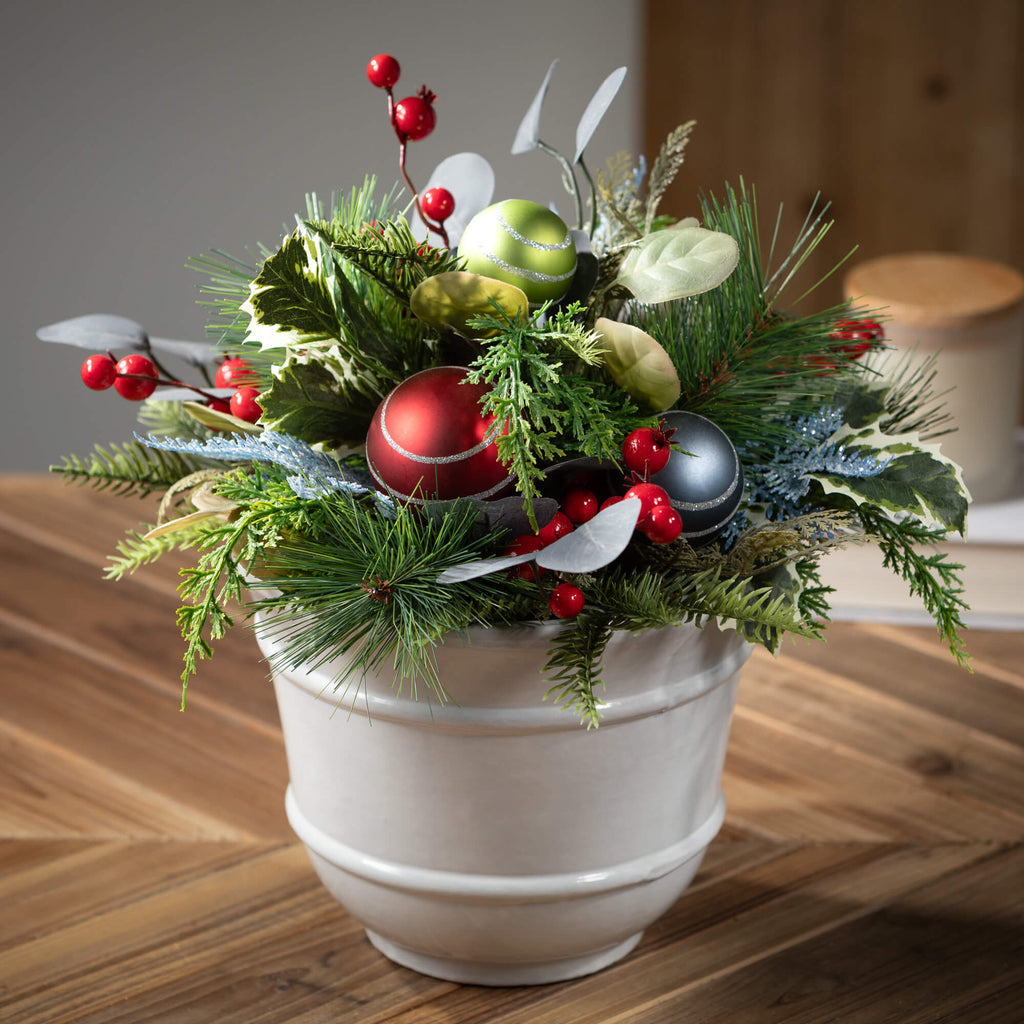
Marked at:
<point>498,842</point>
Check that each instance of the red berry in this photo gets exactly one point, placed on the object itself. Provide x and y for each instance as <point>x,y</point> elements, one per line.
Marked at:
<point>99,372</point>
<point>663,525</point>
<point>438,204</point>
<point>650,495</point>
<point>219,405</point>
<point>244,405</point>
<point>613,500</point>
<point>234,373</point>
<point>559,526</point>
<point>580,505</point>
<point>646,450</point>
<point>414,116</point>
<point>861,334</point>
<point>525,544</point>
<point>566,601</point>
<point>129,369</point>
<point>383,71</point>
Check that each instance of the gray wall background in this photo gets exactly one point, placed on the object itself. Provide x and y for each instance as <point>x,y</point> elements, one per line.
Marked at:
<point>137,134</point>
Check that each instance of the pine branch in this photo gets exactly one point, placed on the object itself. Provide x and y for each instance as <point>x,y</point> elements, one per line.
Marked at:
<point>126,469</point>
<point>136,549</point>
<point>574,667</point>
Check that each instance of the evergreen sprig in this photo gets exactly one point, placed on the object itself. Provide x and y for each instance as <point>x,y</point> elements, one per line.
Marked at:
<point>540,390</point>
<point>125,469</point>
<point>932,578</point>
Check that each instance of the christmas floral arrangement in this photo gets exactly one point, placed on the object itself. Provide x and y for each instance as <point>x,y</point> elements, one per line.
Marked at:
<point>428,411</point>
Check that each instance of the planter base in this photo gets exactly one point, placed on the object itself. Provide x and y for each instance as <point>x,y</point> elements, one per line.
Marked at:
<point>475,972</point>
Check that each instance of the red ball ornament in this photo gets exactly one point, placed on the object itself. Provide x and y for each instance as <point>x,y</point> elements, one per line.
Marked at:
<point>428,440</point>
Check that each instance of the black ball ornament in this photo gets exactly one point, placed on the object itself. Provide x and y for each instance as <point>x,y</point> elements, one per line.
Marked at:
<point>706,485</point>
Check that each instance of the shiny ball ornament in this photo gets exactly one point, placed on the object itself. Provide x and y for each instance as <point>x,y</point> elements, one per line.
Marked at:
<point>705,486</point>
<point>428,440</point>
<point>523,243</point>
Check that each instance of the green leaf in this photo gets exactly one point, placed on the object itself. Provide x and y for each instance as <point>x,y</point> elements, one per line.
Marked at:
<point>678,262</point>
<point>918,479</point>
<point>638,364</point>
<point>316,400</point>
<point>292,299</point>
<point>453,299</point>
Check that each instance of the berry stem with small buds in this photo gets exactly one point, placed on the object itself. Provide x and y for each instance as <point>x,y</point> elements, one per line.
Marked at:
<point>403,141</point>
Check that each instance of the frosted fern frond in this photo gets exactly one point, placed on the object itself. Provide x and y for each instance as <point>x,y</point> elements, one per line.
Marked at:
<point>312,474</point>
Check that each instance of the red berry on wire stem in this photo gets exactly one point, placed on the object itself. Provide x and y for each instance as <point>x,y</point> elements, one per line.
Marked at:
<point>650,495</point>
<point>647,449</point>
<point>383,71</point>
<point>99,372</point>
<point>580,505</point>
<point>566,601</point>
<point>663,525</point>
<point>438,204</point>
<point>559,525</point>
<point>131,370</point>
<point>244,404</point>
<point>414,116</point>
<point>525,544</point>
<point>234,373</point>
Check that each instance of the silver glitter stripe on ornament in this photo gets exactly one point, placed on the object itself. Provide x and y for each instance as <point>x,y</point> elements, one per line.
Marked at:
<point>410,500</point>
<point>530,275</point>
<point>533,243</point>
<point>720,525</point>
<point>433,460</point>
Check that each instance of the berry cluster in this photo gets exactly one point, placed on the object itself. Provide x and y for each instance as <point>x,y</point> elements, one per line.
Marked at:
<point>412,118</point>
<point>645,451</point>
<point>135,377</point>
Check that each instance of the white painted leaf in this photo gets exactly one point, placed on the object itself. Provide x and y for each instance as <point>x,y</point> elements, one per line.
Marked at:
<point>596,109</point>
<point>594,544</point>
<point>588,548</point>
<point>678,262</point>
<point>102,331</point>
<point>528,134</point>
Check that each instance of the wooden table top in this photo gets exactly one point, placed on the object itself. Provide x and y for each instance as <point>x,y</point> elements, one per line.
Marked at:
<point>871,868</point>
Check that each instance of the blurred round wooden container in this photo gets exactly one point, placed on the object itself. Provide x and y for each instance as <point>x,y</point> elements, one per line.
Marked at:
<point>971,311</point>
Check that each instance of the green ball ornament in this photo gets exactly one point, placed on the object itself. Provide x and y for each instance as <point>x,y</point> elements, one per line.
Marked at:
<point>523,243</point>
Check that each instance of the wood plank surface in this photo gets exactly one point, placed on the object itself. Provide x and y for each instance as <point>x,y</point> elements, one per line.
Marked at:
<point>871,867</point>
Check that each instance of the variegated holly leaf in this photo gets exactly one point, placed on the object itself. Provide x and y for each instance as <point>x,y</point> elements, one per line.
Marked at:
<point>528,134</point>
<point>292,299</point>
<point>918,480</point>
<point>596,109</point>
<point>678,262</point>
<point>316,400</point>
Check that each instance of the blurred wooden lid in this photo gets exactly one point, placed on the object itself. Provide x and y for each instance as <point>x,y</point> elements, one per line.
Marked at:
<point>930,289</point>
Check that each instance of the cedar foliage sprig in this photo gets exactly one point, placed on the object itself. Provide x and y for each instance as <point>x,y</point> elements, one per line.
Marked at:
<point>932,578</point>
<point>539,390</point>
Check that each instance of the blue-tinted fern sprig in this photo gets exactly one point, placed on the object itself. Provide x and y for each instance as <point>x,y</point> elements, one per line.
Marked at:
<point>312,474</point>
<point>781,485</point>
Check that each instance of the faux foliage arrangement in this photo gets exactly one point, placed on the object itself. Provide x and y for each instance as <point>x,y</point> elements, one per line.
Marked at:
<point>591,390</point>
